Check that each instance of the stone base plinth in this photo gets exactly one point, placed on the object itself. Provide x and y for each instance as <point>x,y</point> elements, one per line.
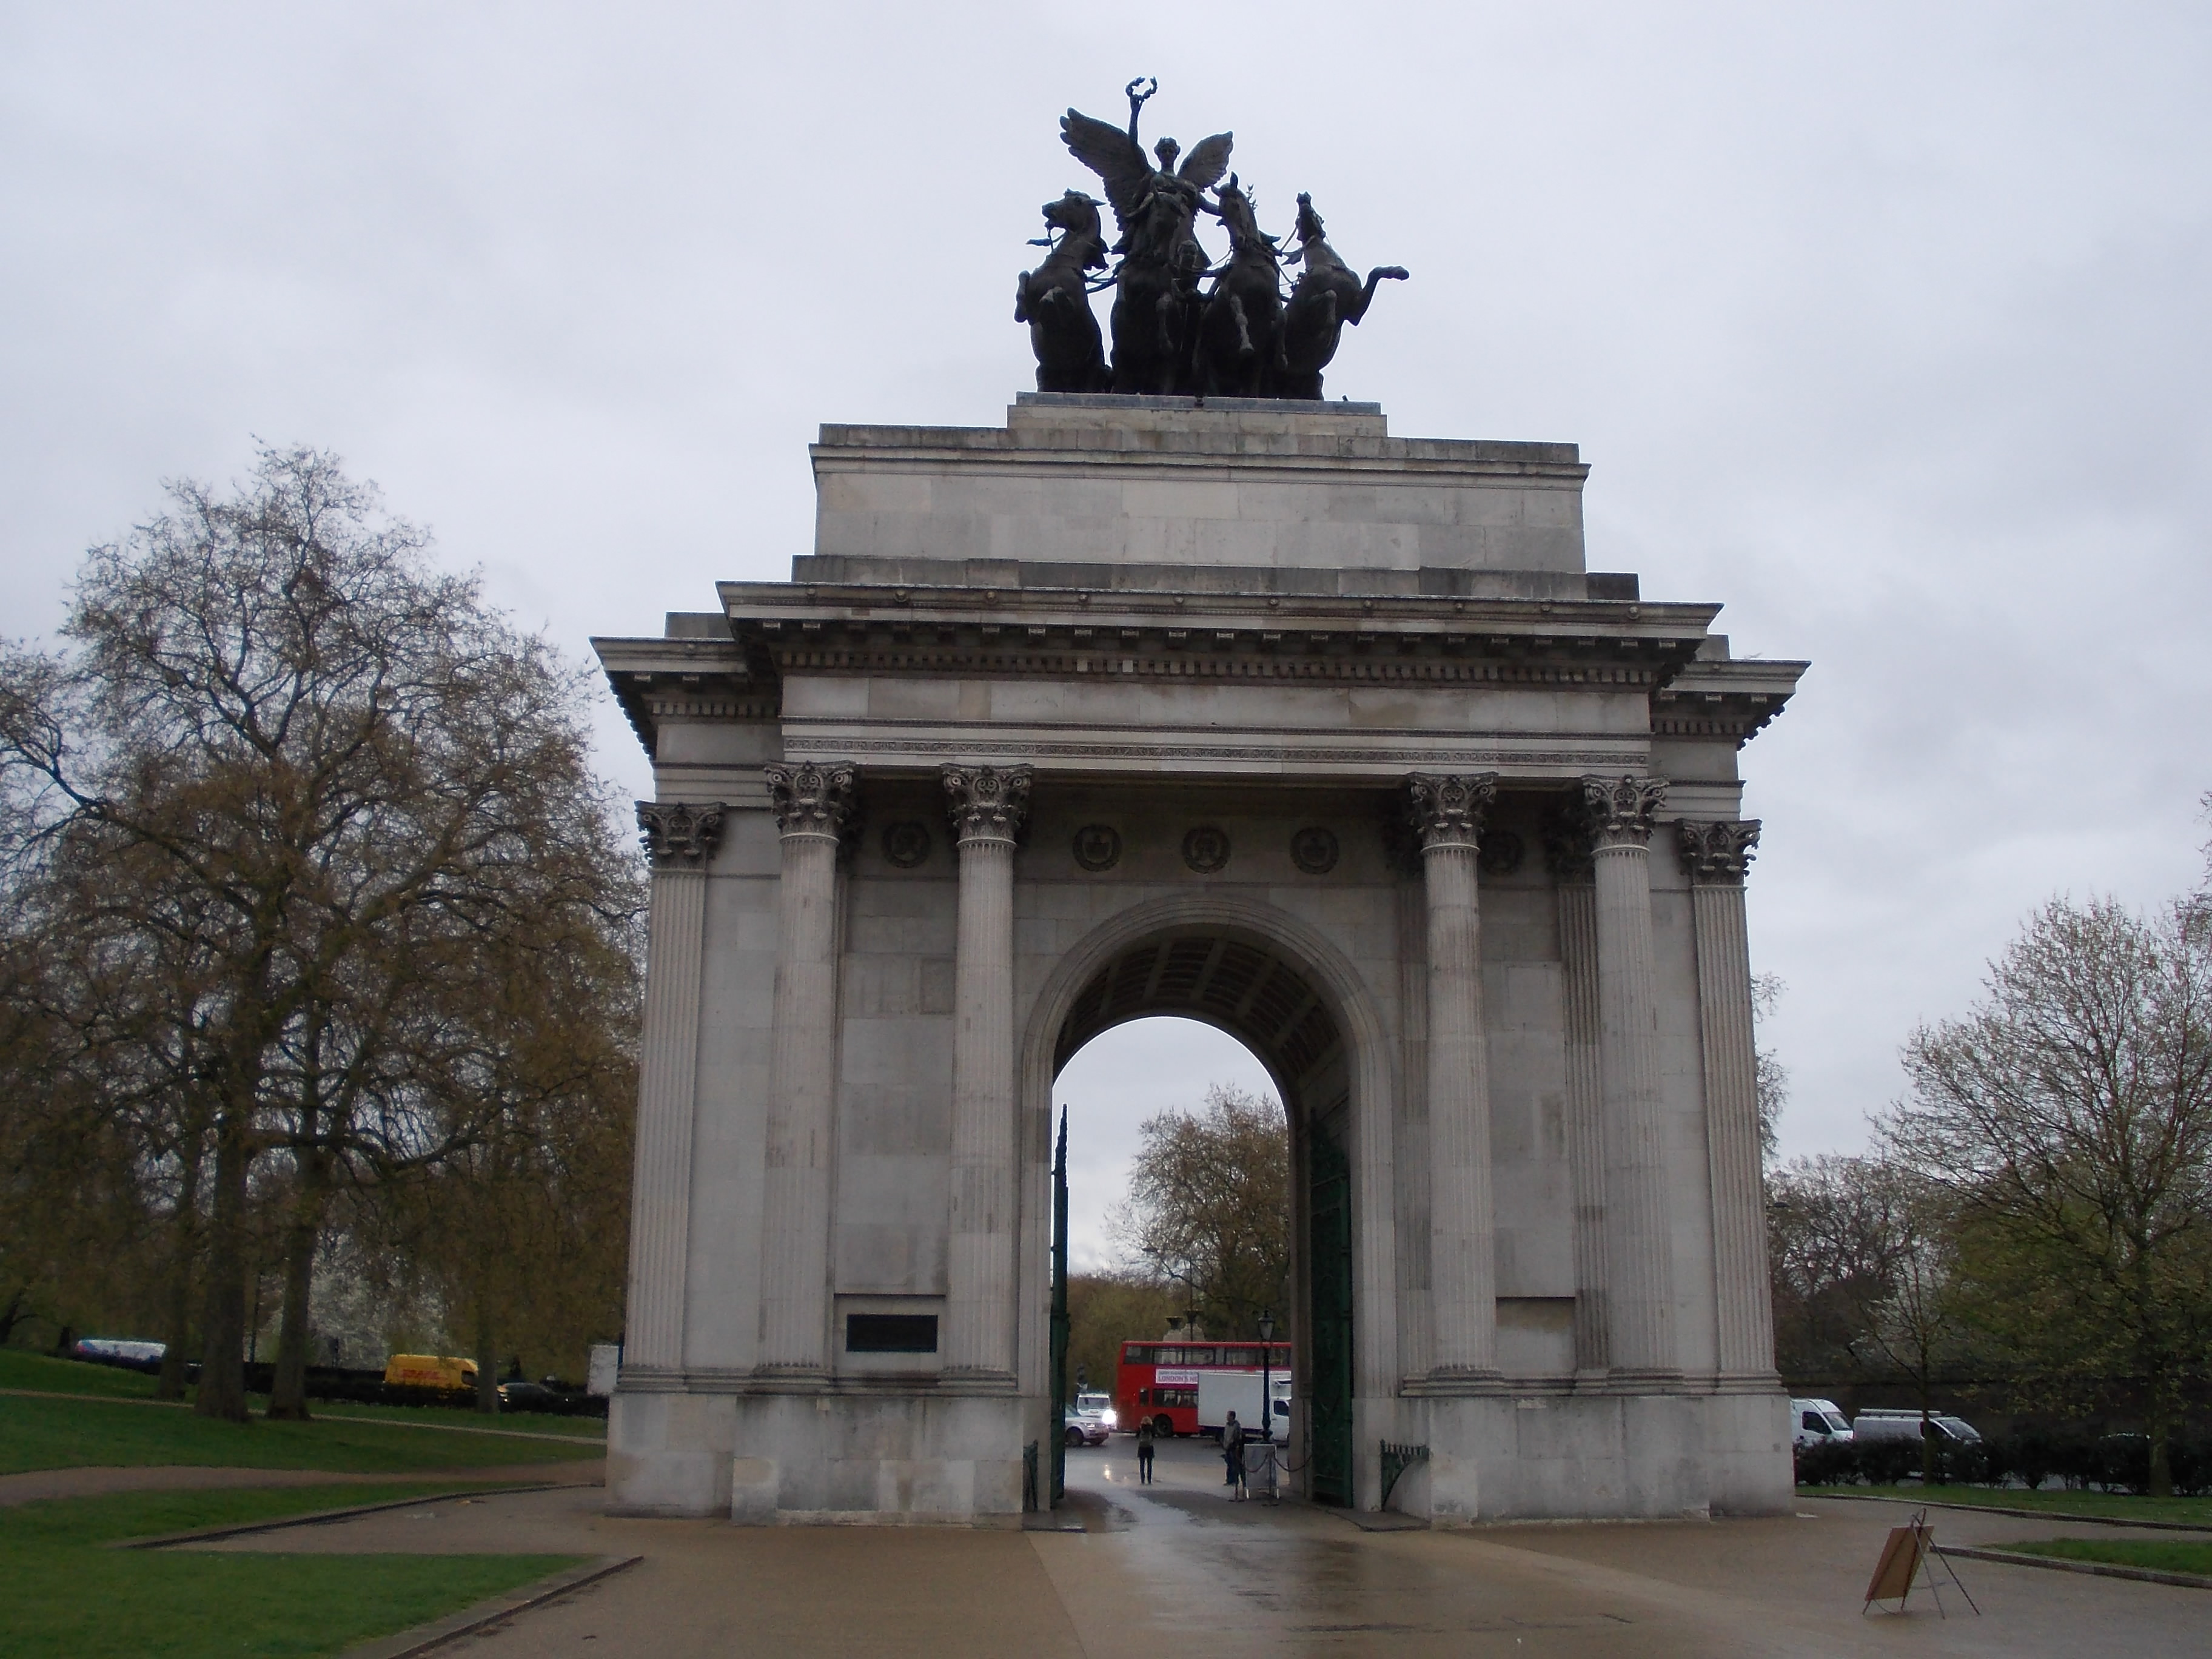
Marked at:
<point>1601,1457</point>
<point>819,1460</point>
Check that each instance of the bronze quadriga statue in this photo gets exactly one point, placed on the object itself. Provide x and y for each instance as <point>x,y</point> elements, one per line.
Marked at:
<point>1181,323</point>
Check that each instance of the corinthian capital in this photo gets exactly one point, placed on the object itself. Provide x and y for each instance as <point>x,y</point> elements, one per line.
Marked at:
<point>678,834</point>
<point>988,803</point>
<point>1568,850</point>
<point>1447,810</point>
<point>1620,809</point>
<point>810,800</point>
<point>1719,851</point>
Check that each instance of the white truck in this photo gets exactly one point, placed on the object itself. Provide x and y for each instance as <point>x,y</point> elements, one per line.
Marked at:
<point>1220,1393</point>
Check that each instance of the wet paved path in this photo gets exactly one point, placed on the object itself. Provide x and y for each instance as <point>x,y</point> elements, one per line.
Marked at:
<point>1176,1569</point>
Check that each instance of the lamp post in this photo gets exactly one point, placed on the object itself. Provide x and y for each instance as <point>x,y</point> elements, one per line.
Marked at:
<point>1267,1377</point>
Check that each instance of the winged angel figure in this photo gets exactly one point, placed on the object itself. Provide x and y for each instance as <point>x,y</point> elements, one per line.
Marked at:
<point>1156,301</point>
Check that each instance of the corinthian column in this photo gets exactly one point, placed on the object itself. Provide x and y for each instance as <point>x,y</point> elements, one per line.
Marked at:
<point>812,806</point>
<point>1717,854</point>
<point>987,804</point>
<point>1639,1246</point>
<point>679,838</point>
<point>1573,866</point>
<point>1447,813</point>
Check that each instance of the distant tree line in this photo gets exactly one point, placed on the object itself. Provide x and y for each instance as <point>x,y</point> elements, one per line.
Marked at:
<point>2035,1218</point>
<point>321,942</point>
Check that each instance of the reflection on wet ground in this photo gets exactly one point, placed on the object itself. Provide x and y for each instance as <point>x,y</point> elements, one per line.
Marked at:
<point>1177,1568</point>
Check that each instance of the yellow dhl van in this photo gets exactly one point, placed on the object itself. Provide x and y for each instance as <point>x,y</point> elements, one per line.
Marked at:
<point>430,1371</point>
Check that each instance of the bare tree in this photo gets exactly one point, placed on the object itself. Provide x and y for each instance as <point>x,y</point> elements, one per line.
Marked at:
<point>1105,1311</point>
<point>1770,1078</point>
<point>521,1235</point>
<point>1209,1207</point>
<point>2069,1115</point>
<point>1865,1265</point>
<point>350,767</point>
<point>1831,1249</point>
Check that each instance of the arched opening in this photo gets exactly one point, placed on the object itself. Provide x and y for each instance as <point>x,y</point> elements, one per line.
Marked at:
<point>1257,992</point>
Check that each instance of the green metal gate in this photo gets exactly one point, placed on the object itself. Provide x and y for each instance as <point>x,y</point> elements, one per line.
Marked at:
<point>1059,1313</point>
<point>1329,1258</point>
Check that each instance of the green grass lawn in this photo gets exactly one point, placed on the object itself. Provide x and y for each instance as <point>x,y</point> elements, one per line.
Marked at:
<point>62,1434</point>
<point>19,1370</point>
<point>2161,1555</point>
<point>2119,1506</point>
<point>64,1594</point>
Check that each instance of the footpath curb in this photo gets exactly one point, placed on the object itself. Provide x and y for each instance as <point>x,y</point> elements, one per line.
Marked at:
<point>424,1639</point>
<point>2069,1515</point>
<point>317,1517</point>
<point>330,1417</point>
<point>2095,1569</point>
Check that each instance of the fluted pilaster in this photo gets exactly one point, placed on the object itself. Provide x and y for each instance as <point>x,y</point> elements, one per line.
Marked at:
<point>1639,1244</point>
<point>679,838</point>
<point>813,804</point>
<point>1717,854</point>
<point>1568,851</point>
<point>989,807</point>
<point>1447,813</point>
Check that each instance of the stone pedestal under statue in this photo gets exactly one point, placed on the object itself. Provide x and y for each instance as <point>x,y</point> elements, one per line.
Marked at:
<point>1247,712</point>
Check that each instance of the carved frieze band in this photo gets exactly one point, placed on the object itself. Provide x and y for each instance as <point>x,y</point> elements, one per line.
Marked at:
<point>988,803</point>
<point>1719,851</point>
<point>1448,809</point>
<point>1620,809</point>
<point>678,834</point>
<point>812,798</point>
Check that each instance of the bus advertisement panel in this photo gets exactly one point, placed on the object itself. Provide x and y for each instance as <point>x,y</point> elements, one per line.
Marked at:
<point>1158,1381</point>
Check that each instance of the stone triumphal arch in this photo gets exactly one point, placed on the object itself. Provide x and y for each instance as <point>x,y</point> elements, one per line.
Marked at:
<point>1249,713</point>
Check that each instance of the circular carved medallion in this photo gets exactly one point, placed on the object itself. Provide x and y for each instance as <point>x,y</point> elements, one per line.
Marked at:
<point>1499,852</point>
<point>1314,850</point>
<point>1205,849</point>
<point>906,844</point>
<point>1098,847</point>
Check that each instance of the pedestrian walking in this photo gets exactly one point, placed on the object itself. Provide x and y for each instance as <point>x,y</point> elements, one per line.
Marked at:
<point>1232,1448</point>
<point>1144,1452</point>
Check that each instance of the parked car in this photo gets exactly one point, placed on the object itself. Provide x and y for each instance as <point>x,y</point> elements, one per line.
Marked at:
<point>1881,1424</point>
<point>1818,1423</point>
<point>518,1394</point>
<point>130,1354</point>
<point>1081,1428</point>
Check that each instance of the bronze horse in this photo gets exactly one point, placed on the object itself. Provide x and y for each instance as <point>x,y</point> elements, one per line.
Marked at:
<point>1055,299</point>
<point>1239,349</point>
<point>1326,297</point>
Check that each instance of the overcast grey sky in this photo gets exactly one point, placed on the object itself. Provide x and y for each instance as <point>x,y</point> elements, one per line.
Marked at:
<point>1884,323</point>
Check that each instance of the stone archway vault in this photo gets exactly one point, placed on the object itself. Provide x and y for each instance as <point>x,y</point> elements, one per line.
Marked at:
<point>1283,990</point>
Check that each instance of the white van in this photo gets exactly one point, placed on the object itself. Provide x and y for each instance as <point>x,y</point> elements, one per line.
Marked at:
<point>1818,1423</point>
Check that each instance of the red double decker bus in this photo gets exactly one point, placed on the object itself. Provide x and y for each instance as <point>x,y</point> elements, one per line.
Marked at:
<point>1159,1380</point>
